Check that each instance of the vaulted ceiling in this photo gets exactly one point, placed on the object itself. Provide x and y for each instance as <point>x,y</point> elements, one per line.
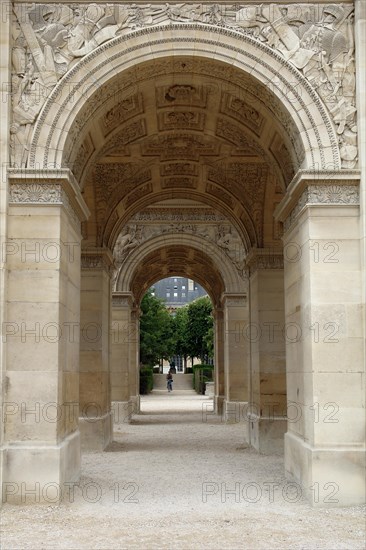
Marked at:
<point>183,128</point>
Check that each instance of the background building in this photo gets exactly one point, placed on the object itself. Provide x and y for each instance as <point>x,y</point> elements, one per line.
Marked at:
<point>177,291</point>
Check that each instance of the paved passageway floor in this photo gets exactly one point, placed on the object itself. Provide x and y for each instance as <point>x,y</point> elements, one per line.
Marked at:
<point>178,477</point>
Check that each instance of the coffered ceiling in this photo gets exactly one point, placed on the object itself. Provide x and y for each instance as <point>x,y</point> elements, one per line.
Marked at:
<point>188,129</point>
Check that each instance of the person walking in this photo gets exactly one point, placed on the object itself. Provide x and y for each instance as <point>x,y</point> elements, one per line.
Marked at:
<point>169,381</point>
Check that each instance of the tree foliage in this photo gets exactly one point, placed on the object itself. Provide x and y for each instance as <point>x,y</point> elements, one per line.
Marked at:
<point>181,344</point>
<point>199,325</point>
<point>156,330</point>
<point>189,333</point>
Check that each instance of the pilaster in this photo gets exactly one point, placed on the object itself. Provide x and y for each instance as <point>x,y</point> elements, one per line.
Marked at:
<point>95,398</point>
<point>41,331</point>
<point>236,355</point>
<point>325,346</point>
<point>122,333</point>
<point>267,333</point>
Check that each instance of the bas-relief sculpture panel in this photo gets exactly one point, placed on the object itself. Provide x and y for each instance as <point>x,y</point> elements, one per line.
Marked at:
<point>48,39</point>
<point>213,228</point>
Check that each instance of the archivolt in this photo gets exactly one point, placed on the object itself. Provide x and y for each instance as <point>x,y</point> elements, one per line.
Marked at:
<point>81,84</point>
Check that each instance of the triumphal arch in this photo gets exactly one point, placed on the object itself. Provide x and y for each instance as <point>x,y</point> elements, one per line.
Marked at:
<point>220,141</point>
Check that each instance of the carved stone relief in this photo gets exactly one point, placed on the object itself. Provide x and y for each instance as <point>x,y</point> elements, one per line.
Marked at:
<point>115,181</point>
<point>324,194</point>
<point>213,228</point>
<point>48,39</point>
<point>42,194</point>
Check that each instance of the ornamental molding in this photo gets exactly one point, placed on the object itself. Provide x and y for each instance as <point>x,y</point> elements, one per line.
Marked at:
<point>234,300</point>
<point>219,236</point>
<point>264,258</point>
<point>122,300</point>
<point>329,195</point>
<point>202,215</point>
<point>314,40</point>
<point>48,188</point>
<point>326,187</point>
<point>97,259</point>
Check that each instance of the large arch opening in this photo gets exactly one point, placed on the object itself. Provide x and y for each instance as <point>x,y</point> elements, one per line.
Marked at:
<point>177,164</point>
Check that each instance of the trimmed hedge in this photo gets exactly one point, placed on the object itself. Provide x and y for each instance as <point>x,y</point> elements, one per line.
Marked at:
<point>146,380</point>
<point>202,374</point>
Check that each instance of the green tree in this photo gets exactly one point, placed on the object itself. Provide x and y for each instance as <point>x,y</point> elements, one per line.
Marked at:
<point>199,323</point>
<point>156,330</point>
<point>181,344</point>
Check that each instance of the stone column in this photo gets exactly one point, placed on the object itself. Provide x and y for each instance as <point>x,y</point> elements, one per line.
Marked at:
<point>122,332</point>
<point>134,361</point>
<point>236,356</point>
<point>95,398</point>
<point>325,360</point>
<point>267,414</point>
<point>219,360</point>
<point>41,333</point>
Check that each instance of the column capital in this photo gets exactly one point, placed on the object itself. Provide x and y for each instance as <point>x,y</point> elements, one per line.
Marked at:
<point>264,258</point>
<point>57,187</point>
<point>318,187</point>
<point>234,300</point>
<point>122,299</point>
<point>97,259</point>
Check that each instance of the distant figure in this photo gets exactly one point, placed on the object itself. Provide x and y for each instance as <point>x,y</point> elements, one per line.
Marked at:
<point>169,381</point>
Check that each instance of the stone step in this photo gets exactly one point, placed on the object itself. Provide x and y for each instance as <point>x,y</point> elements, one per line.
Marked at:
<point>180,381</point>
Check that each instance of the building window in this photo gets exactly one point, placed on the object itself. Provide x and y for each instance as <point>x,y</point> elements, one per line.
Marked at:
<point>183,287</point>
<point>175,294</point>
<point>183,294</point>
<point>168,294</point>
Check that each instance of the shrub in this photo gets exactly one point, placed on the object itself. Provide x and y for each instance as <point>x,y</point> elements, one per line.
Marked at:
<point>146,380</point>
<point>202,374</point>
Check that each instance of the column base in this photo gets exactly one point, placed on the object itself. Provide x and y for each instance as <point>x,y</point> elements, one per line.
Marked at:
<point>135,404</point>
<point>40,474</point>
<point>219,404</point>
<point>235,411</point>
<point>267,434</point>
<point>96,433</point>
<point>122,412</point>
<point>332,476</point>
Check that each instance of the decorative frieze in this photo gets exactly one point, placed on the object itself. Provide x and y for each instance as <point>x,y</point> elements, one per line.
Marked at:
<point>234,300</point>
<point>264,258</point>
<point>325,195</point>
<point>215,231</point>
<point>326,188</point>
<point>49,187</point>
<point>316,39</point>
<point>120,299</point>
<point>97,259</point>
<point>178,215</point>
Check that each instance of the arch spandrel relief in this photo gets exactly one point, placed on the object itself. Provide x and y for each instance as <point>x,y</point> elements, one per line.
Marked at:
<point>214,231</point>
<point>315,39</point>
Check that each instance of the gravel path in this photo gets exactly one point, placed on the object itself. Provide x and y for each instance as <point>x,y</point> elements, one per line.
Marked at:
<point>177,477</point>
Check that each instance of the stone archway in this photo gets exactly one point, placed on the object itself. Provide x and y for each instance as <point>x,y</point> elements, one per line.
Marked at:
<point>247,144</point>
